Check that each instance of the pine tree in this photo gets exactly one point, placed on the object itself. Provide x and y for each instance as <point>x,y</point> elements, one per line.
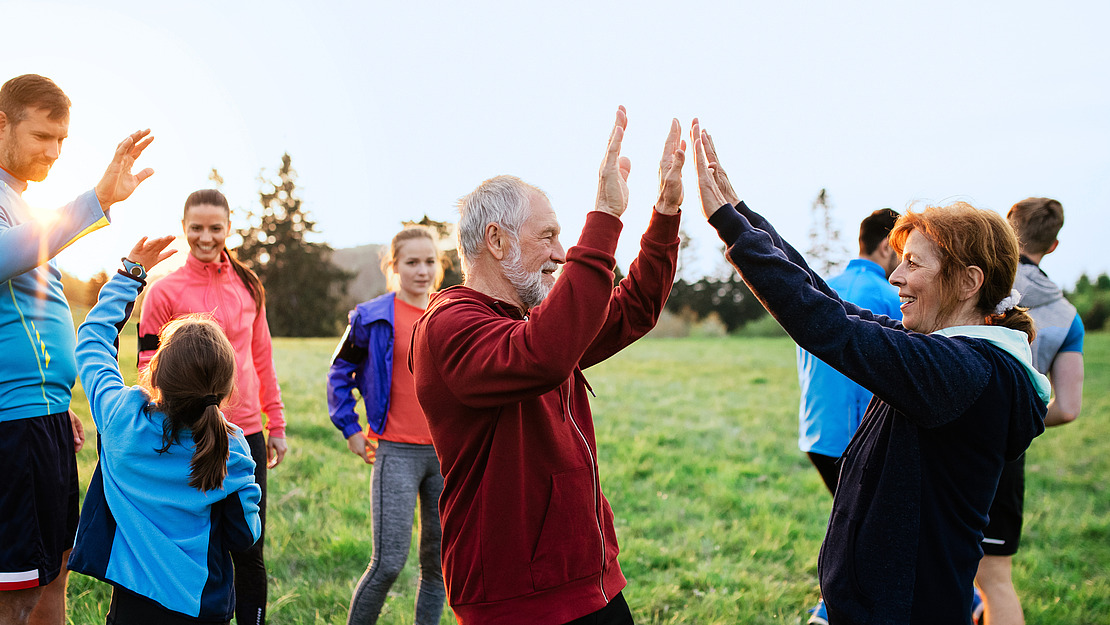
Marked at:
<point>304,289</point>
<point>826,251</point>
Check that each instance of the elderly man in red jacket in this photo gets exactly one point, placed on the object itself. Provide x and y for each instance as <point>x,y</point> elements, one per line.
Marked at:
<point>527,533</point>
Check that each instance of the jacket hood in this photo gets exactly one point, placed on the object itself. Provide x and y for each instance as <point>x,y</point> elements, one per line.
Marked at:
<point>1016,345</point>
<point>1037,288</point>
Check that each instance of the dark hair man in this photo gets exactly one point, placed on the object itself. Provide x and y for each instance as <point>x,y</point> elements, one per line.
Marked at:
<point>1058,353</point>
<point>831,405</point>
<point>528,536</point>
<point>39,435</point>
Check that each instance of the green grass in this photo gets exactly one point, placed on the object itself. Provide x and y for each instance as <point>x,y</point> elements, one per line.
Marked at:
<point>719,515</point>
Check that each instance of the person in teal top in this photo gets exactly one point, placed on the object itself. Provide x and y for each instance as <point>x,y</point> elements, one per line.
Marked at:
<point>39,435</point>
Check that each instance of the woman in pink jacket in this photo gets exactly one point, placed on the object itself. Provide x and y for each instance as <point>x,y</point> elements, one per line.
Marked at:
<point>213,281</point>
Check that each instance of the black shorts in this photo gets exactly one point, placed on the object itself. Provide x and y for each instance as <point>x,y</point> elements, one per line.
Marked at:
<point>38,499</point>
<point>1003,532</point>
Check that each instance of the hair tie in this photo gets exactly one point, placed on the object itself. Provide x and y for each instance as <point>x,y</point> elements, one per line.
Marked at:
<point>211,400</point>
<point>1008,302</point>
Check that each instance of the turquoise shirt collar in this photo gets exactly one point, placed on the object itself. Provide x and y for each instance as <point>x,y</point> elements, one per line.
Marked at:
<point>1014,343</point>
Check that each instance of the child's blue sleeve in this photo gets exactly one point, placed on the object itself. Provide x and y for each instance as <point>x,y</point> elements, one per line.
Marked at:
<point>98,345</point>
<point>241,524</point>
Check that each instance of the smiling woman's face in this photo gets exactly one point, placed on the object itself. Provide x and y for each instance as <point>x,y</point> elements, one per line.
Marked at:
<point>206,227</point>
<point>918,278</point>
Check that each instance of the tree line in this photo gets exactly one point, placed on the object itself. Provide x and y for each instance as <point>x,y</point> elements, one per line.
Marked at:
<point>306,293</point>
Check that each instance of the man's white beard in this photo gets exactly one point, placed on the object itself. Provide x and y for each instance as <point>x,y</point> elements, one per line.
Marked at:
<point>530,286</point>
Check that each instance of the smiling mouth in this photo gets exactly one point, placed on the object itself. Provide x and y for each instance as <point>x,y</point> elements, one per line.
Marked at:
<point>907,299</point>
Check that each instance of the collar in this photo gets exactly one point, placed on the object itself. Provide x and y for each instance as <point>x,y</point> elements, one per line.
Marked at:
<point>15,183</point>
<point>461,292</point>
<point>1013,342</point>
<point>220,266</point>
<point>1025,260</point>
<point>866,264</point>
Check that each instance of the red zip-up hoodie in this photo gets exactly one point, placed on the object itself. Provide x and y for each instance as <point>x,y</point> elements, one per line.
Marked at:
<point>527,533</point>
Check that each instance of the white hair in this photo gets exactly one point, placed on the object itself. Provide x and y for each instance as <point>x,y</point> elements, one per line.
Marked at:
<point>501,200</point>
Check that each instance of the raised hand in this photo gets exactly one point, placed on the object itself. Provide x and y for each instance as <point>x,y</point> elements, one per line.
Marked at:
<point>149,253</point>
<point>612,186</point>
<point>118,182</point>
<point>712,196</point>
<point>719,174</point>
<point>670,171</point>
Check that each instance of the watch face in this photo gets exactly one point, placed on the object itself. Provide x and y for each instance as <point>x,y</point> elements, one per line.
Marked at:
<point>137,271</point>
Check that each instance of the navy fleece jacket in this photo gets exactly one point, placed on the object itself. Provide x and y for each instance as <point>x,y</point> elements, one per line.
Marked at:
<point>918,477</point>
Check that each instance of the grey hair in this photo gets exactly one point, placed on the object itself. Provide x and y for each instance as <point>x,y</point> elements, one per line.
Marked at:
<point>501,200</point>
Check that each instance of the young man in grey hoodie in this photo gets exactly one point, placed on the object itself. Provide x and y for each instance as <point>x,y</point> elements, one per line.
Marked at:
<point>1058,353</point>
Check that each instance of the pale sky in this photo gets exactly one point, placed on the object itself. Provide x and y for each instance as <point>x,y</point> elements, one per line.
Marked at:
<point>394,110</point>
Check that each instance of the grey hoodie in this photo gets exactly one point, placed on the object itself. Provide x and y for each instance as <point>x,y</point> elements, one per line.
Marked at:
<point>1052,313</point>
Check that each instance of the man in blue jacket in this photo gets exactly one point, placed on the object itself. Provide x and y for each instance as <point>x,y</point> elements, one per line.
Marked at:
<point>39,435</point>
<point>832,405</point>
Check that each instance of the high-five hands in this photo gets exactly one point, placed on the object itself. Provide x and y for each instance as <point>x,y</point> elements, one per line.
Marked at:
<point>670,171</point>
<point>118,182</point>
<point>150,252</point>
<point>713,184</point>
<point>612,186</point>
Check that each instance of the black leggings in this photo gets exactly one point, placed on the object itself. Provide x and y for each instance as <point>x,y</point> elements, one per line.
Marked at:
<point>128,608</point>
<point>250,568</point>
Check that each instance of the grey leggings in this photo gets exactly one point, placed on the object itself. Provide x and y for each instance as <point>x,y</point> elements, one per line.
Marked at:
<point>402,472</point>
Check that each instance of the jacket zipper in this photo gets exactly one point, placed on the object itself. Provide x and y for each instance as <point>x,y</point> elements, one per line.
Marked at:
<point>593,482</point>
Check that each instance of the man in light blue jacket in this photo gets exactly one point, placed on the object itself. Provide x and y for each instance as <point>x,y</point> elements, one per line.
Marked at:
<point>39,436</point>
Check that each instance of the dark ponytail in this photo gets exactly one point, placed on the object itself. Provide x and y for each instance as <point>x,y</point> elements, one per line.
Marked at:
<point>248,277</point>
<point>192,372</point>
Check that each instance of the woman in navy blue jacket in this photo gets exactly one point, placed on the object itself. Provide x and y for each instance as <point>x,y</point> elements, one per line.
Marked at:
<point>956,396</point>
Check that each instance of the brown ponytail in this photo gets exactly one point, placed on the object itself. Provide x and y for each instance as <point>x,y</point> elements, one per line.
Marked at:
<point>248,277</point>
<point>1017,318</point>
<point>192,372</point>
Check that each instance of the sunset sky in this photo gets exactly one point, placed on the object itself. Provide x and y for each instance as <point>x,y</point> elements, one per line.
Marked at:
<point>394,110</point>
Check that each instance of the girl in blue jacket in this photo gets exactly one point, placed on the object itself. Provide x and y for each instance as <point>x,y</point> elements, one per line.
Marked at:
<point>173,492</point>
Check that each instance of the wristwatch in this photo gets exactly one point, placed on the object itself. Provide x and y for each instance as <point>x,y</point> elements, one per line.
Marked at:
<point>133,269</point>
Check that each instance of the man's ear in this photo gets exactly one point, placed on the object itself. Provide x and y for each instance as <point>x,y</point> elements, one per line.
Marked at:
<point>971,281</point>
<point>3,124</point>
<point>497,241</point>
<point>1052,248</point>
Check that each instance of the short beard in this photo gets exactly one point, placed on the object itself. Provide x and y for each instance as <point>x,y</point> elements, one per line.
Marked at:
<point>530,286</point>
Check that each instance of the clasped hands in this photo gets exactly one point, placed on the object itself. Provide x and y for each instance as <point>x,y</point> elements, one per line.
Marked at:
<point>714,188</point>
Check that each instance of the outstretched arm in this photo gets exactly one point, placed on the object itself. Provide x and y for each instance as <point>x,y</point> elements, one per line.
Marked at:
<point>518,360</point>
<point>98,336</point>
<point>902,368</point>
<point>638,300</point>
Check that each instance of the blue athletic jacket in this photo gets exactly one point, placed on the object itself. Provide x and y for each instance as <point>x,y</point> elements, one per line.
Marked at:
<point>363,360</point>
<point>142,526</point>
<point>37,370</point>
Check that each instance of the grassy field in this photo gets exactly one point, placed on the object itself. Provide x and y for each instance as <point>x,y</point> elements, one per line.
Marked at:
<point>719,515</point>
